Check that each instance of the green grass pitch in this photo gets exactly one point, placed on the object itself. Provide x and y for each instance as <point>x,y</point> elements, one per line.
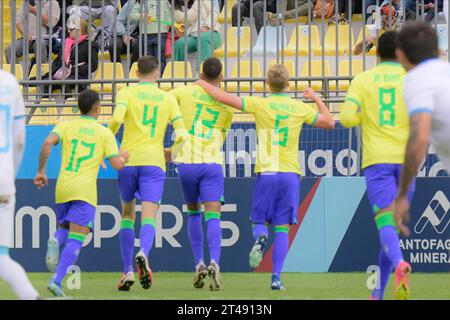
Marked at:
<point>169,285</point>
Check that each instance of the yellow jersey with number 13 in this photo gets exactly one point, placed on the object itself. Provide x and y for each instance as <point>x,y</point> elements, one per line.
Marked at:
<point>279,120</point>
<point>85,143</point>
<point>375,101</point>
<point>206,121</point>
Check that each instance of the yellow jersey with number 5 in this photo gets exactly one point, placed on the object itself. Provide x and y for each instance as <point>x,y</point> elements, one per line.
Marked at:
<point>279,120</point>
<point>207,122</point>
<point>145,110</point>
<point>375,101</point>
<point>85,143</point>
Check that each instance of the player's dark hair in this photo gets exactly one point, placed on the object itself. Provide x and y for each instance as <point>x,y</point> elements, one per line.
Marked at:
<point>387,43</point>
<point>87,100</point>
<point>212,68</point>
<point>147,65</point>
<point>418,41</point>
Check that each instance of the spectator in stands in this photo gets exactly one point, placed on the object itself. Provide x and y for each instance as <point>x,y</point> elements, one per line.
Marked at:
<point>345,10</point>
<point>258,12</point>
<point>104,9</point>
<point>293,8</point>
<point>206,16</point>
<point>126,26</point>
<point>30,32</point>
<point>153,33</point>
<point>77,63</point>
<point>429,8</point>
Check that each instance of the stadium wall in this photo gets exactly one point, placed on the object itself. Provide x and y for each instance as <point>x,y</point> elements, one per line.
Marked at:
<point>335,233</point>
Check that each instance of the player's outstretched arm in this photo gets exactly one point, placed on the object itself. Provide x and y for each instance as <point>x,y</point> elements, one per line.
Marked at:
<point>325,119</point>
<point>41,180</point>
<point>416,150</point>
<point>220,95</point>
<point>119,161</point>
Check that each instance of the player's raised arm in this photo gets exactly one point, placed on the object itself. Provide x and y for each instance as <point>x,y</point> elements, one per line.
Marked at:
<point>220,95</point>
<point>324,119</point>
<point>41,180</point>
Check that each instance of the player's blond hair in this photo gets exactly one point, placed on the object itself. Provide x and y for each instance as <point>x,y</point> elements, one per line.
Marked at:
<point>278,78</point>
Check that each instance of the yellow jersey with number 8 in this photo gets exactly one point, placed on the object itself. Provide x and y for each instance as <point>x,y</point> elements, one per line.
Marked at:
<point>375,101</point>
<point>85,143</point>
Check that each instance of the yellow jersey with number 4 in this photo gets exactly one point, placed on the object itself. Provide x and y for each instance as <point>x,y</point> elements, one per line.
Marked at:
<point>279,120</point>
<point>85,143</point>
<point>145,110</point>
<point>375,101</point>
<point>207,122</point>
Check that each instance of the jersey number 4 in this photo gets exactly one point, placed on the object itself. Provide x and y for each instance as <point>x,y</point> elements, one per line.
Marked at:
<point>146,121</point>
<point>387,103</point>
<point>75,145</point>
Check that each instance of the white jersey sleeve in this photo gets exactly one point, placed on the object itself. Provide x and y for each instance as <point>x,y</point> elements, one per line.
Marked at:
<point>419,91</point>
<point>12,128</point>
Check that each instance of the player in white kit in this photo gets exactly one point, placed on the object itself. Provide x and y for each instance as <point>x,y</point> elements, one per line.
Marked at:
<point>12,142</point>
<point>427,96</point>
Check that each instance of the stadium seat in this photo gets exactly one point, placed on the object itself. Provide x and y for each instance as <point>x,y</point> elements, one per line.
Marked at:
<point>229,7</point>
<point>373,50</point>
<point>105,115</point>
<point>69,112</point>
<point>43,67</point>
<point>132,73</point>
<point>108,74</point>
<point>303,33</point>
<point>343,40</point>
<point>344,71</point>
<point>270,36</point>
<point>301,20</point>
<point>245,72</point>
<point>318,69</point>
<point>233,34</point>
<point>44,115</point>
<point>178,72</point>
<point>18,70</point>
<point>290,66</point>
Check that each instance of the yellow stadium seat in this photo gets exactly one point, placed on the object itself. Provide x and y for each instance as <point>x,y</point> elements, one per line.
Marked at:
<point>245,72</point>
<point>357,17</point>
<point>233,34</point>
<point>44,115</point>
<point>344,40</point>
<point>303,33</point>
<point>373,50</point>
<point>228,7</point>
<point>69,112</point>
<point>317,70</point>
<point>108,74</point>
<point>44,69</point>
<point>18,71</point>
<point>344,71</point>
<point>105,115</point>
<point>302,19</point>
<point>290,66</point>
<point>179,68</point>
<point>132,74</point>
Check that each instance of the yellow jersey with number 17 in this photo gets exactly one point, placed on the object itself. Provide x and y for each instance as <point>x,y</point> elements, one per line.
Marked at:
<point>145,110</point>
<point>206,121</point>
<point>85,143</point>
<point>279,120</point>
<point>375,101</point>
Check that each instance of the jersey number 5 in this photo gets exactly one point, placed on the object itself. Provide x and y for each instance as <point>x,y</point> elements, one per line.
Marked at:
<point>75,144</point>
<point>5,119</point>
<point>282,132</point>
<point>387,103</point>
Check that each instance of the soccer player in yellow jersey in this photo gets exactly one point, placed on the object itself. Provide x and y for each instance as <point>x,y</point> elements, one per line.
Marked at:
<point>279,120</point>
<point>85,143</point>
<point>375,102</point>
<point>145,111</point>
<point>199,164</point>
